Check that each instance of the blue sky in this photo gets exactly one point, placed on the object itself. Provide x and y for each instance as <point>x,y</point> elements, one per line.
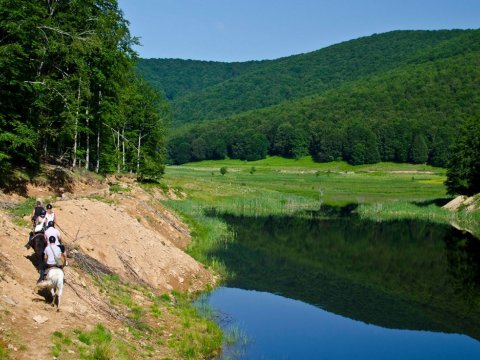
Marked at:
<point>240,30</point>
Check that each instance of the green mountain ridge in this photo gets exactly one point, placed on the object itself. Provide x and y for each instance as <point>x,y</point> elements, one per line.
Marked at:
<point>260,84</point>
<point>176,77</point>
<point>401,96</point>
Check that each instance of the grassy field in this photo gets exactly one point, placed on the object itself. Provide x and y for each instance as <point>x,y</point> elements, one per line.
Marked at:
<point>285,185</point>
<point>306,163</point>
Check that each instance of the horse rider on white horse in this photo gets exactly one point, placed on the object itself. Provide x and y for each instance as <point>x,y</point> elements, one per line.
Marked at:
<point>53,257</point>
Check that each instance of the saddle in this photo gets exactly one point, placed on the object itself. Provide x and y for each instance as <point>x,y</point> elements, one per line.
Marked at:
<point>31,236</point>
<point>50,268</point>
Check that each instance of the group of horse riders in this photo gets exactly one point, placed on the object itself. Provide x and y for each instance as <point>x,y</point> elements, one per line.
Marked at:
<point>46,240</point>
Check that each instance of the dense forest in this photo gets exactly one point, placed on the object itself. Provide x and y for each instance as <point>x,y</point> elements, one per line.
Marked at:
<point>176,77</point>
<point>403,96</point>
<point>69,91</point>
<point>201,90</point>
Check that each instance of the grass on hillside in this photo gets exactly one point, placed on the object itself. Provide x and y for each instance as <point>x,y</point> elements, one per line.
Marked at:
<point>99,343</point>
<point>154,327</point>
<point>190,335</point>
<point>21,210</point>
<point>4,350</point>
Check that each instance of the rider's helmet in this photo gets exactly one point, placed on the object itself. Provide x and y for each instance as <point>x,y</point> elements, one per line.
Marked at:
<point>50,224</point>
<point>43,212</point>
<point>49,206</point>
<point>52,239</point>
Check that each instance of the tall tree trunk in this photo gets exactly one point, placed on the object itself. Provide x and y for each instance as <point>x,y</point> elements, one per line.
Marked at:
<point>118,152</point>
<point>75,137</point>
<point>45,146</point>
<point>87,155</point>
<point>97,166</point>
<point>138,151</point>
<point>123,147</point>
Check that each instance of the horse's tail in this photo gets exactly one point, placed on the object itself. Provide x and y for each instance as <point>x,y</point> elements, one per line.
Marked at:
<point>56,276</point>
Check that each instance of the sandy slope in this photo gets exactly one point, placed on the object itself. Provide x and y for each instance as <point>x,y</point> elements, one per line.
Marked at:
<point>130,233</point>
<point>110,235</point>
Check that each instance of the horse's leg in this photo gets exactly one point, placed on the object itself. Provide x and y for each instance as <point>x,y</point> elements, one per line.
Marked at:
<point>58,302</point>
<point>42,271</point>
<point>52,291</point>
<point>28,245</point>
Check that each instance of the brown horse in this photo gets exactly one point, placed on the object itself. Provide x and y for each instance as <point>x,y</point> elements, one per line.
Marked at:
<point>37,242</point>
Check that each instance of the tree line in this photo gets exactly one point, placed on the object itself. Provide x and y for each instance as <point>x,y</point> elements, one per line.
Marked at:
<point>354,142</point>
<point>457,149</point>
<point>69,92</point>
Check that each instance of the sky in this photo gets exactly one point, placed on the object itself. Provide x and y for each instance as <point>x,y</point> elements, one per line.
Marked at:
<point>241,30</point>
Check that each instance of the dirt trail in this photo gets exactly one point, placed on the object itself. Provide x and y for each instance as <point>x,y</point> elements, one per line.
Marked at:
<point>130,233</point>
<point>21,304</point>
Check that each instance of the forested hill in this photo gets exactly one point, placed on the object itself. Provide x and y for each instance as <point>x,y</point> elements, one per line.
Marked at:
<point>176,77</point>
<point>207,90</point>
<point>411,112</point>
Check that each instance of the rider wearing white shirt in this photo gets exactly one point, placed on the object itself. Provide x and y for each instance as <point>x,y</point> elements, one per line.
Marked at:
<point>40,222</point>
<point>50,216</point>
<point>51,231</point>
<point>51,252</point>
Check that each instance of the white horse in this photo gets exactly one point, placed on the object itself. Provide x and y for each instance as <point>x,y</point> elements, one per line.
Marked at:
<point>54,282</point>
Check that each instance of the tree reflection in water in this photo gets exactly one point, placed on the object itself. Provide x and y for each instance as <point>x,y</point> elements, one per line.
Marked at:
<point>403,274</point>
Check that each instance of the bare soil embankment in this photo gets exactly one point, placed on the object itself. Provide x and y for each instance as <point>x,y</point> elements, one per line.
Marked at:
<point>128,232</point>
<point>462,202</point>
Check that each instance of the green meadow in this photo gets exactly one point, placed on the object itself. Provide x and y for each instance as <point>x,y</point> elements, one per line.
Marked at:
<point>276,185</point>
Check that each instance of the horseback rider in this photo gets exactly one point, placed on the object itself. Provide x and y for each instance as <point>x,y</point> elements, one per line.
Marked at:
<point>38,225</point>
<point>53,257</point>
<point>36,211</point>
<point>50,216</point>
<point>52,231</point>
<point>40,222</point>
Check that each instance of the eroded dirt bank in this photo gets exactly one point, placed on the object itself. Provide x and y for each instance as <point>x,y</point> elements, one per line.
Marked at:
<point>128,231</point>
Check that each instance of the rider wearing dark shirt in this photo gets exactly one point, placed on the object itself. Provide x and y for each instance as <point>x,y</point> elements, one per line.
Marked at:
<point>37,211</point>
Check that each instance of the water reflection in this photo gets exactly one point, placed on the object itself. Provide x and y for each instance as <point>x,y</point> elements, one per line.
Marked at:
<point>463,257</point>
<point>399,275</point>
<point>282,328</point>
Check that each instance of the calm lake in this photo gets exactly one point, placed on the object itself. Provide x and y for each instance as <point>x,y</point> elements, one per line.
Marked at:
<point>343,288</point>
